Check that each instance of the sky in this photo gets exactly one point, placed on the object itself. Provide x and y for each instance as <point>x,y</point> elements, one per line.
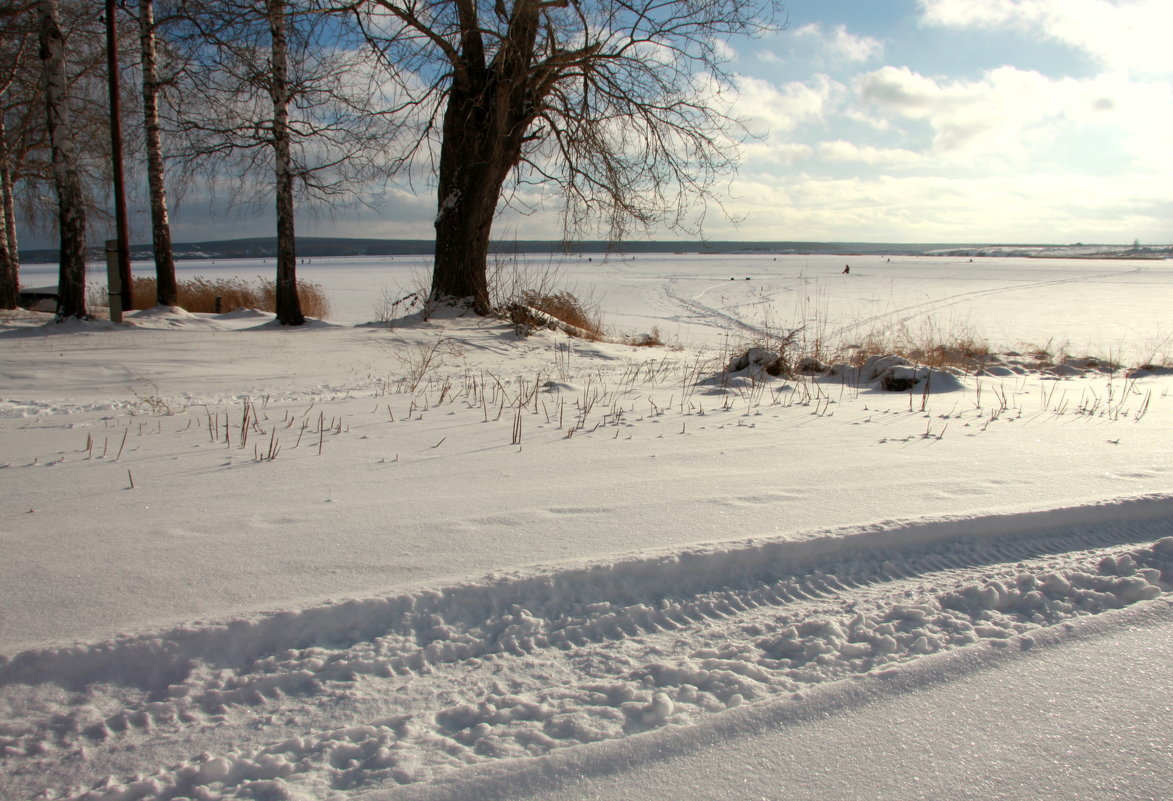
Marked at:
<point>952,121</point>
<point>961,120</point>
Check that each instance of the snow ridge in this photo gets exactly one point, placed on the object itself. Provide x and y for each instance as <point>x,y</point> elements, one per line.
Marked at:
<point>406,690</point>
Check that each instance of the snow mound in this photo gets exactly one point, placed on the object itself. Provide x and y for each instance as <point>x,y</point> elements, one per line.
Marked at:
<point>897,374</point>
<point>173,317</point>
<point>758,361</point>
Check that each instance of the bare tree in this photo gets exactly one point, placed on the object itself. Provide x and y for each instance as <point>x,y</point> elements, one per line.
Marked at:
<point>27,166</point>
<point>71,218</point>
<point>241,53</point>
<point>615,103</point>
<point>287,302</point>
<point>18,36</point>
<point>277,93</point>
<point>9,254</point>
<point>167,291</point>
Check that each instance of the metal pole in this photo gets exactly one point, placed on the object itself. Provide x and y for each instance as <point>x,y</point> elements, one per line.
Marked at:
<point>120,218</point>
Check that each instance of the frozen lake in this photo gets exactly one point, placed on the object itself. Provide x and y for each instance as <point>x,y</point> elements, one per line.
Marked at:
<point>1106,308</point>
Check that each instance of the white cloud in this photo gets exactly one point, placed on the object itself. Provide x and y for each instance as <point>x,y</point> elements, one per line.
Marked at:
<point>843,151</point>
<point>1049,207</point>
<point>906,153</point>
<point>1011,117</point>
<point>779,109</point>
<point>777,154</point>
<point>968,119</point>
<point>1012,155</point>
<point>839,44</point>
<point>1130,35</point>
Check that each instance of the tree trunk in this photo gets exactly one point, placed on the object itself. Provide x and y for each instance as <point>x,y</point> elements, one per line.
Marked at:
<point>9,258</point>
<point>489,109</point>
<point>71,220</point>
<point>167,291</point>
<point>121,219</point>
<point>288,304</point>
<point>470,185</point>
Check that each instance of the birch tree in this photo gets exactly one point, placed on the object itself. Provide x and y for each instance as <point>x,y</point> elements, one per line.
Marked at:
<point>19,37</point>
<point>287,301</point>
<point>71,216</point>
<point>9,254</point>
<point>167,292</point>
<point>30,161</point>
<point>284,110</point>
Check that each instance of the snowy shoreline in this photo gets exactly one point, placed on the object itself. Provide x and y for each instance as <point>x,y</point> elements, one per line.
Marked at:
<point>433,559</point>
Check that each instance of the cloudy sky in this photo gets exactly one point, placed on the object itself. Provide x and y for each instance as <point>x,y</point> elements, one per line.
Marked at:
<point>962,120</point>
<point>1010,121</point>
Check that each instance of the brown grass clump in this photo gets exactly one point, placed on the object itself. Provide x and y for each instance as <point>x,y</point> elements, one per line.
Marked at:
<point>561,306</point>
<point>931,346</point>
<point>198,295</point>
<point>964,354</point>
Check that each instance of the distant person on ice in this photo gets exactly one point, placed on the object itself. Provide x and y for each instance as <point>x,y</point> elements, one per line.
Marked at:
<point>846,269</point>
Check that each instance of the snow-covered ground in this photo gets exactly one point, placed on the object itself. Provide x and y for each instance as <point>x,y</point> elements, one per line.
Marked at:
<point>435,559</point>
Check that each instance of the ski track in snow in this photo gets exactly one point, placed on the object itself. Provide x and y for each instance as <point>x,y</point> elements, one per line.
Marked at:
<point>406,690</point>
<point>716,318</point>
<point>909,312</point>
<point>710,315</point>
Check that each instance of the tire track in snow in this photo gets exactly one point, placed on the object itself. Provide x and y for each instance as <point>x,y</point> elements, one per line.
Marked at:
<point>377,693</point>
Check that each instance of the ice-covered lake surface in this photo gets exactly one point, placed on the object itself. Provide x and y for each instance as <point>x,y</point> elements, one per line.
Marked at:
<point>437,559</point>
<point>1102,307</point>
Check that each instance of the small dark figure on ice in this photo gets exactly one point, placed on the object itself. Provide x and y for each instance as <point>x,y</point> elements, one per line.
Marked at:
<point>846,269</point>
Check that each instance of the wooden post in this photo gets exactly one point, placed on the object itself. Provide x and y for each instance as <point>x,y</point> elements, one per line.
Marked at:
<point>114,276</point>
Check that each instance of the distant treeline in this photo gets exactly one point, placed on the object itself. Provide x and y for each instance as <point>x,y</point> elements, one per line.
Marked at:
<point>331,247</point>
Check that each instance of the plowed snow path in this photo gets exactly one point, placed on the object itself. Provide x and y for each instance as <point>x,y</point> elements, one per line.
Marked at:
<point>404,690</point>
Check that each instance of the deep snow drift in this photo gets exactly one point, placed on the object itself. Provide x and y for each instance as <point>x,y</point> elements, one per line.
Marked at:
<point>439,560</point>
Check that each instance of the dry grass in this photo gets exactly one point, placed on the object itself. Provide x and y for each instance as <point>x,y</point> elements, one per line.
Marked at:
<point>199,294</point>
<point>563,306</point>
<point>957,346</point>
<point>532,295</point>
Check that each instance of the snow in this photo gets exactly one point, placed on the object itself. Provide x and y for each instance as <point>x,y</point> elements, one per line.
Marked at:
<point>434,559</point>
<point>1084,719</point>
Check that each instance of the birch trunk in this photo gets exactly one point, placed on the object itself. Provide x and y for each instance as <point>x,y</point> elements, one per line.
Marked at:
<point>167,292</point>
<point>288,303</point>
<point>9,257</point>
<point>71,219</point>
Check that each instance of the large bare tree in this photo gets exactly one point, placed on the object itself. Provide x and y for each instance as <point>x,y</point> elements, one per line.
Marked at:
<point>615,103</point>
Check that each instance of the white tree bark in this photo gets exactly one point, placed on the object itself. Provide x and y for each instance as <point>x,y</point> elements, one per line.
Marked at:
<point>9,257</point>
<point>288,304</point>
<point>166,289</point>
<point>71,217</point>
